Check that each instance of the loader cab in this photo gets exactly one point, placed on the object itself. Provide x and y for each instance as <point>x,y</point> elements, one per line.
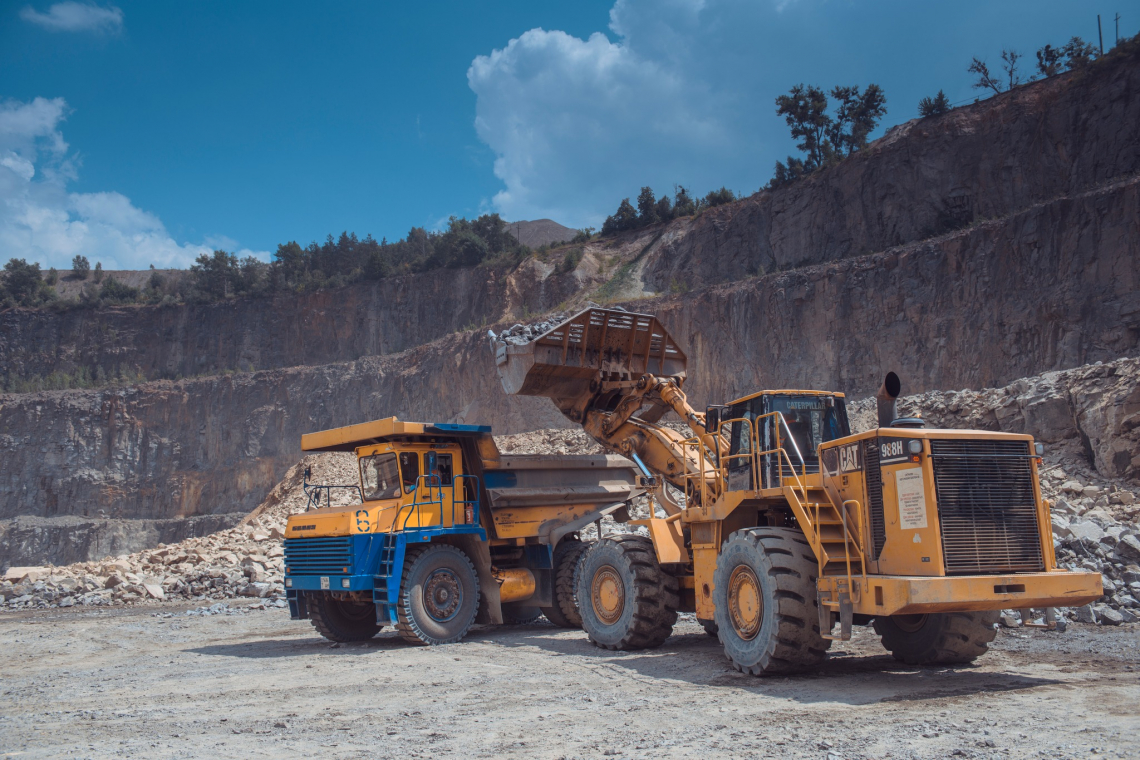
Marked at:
<point>761,424</point>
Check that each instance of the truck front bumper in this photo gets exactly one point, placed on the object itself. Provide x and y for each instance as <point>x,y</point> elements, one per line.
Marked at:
<point>917,595</point>
<point>329,582</point>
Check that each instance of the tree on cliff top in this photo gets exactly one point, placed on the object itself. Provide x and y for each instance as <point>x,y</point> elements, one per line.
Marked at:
<point>826,139</point>
<point>935,106</point>
<point>23,285</point>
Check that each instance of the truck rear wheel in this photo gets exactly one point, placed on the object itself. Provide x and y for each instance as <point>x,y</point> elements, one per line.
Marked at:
<point>342,619</point>
<point>520,614</point>
<point>767,616</point>
<point>564,613</point>
<point>945,638</point>
<point>439,596</point>
<point>626,600</point>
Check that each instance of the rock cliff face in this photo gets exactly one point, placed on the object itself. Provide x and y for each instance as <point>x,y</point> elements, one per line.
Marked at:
<point>1060,137</point>
<point>1040,275</point>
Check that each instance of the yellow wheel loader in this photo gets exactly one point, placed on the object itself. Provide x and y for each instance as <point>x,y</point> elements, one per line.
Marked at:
<point>780,525</point>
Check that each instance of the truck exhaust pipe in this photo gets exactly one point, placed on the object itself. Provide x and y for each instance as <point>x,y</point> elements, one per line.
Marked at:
<point>887,399</point>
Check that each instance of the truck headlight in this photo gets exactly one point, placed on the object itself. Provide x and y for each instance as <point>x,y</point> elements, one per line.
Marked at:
<point>1039,448</point>
<point>288,583</point>
<point>344,582</point>
<point>915,447</point>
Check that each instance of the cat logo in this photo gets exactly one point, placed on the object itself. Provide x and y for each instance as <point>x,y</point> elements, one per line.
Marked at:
<point>849,458</point>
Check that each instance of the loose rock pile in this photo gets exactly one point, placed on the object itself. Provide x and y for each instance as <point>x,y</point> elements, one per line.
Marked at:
<point>518,335</point>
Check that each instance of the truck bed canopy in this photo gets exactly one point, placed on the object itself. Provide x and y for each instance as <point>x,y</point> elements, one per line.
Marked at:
<point>352,436</point>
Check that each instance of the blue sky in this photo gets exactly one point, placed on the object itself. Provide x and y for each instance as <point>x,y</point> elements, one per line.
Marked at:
<point>141,133</point>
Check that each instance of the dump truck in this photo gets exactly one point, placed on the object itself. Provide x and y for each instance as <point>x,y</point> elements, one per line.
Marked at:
<point>445,531</point>
<point>777,524</point>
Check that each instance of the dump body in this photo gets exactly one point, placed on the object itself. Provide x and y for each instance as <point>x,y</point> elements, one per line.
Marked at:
<point>423,483</point>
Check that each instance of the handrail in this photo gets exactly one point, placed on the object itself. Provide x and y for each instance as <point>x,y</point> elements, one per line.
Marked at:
<point>314,498</point>
<point>432,483</point>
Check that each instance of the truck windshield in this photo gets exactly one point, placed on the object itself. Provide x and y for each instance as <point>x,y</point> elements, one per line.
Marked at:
<point>380,477</point>
<point>811,420</point>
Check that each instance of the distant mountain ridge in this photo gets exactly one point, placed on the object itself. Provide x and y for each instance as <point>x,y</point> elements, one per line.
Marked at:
<point>541,232</point>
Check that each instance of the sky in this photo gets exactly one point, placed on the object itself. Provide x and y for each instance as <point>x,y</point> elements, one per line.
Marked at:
<point>140,133</point>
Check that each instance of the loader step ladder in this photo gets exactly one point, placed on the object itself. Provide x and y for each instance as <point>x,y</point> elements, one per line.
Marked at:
<point>835,539</point>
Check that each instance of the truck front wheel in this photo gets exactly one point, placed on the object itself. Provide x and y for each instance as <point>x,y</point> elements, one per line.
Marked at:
<point>341,618</point>
<point>626,600</point>
<point>439,596</point>
<point>945,638</point>
<point>765,602</point>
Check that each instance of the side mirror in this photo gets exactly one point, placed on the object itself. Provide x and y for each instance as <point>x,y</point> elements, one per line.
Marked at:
<point>308,473</point>
<point>712,419</point>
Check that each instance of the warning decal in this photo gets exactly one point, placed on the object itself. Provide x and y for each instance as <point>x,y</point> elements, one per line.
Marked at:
<point>911,489</point>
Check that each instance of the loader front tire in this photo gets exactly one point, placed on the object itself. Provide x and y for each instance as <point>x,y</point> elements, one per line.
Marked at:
<point>764,593</point>
<point>439,596</point>
<point>626,600</point>
<point>945,638</point>
<point>342,619</point>
<point>564,612</point>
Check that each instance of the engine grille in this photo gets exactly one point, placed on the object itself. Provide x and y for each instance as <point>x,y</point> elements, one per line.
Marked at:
<point>328,555</point>
<point>986,507</point>
<point>874,480</point>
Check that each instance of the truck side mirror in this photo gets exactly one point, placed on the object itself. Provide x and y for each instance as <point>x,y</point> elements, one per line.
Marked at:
<point>712,419</point>
<point>308,473</point>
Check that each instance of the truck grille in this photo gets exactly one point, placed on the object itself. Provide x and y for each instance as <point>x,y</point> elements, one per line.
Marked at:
<point>986,506</point>
<point>874,496</point>
<point>318,556</point>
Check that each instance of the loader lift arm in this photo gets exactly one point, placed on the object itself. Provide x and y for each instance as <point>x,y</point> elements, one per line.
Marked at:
<point>617,373</point>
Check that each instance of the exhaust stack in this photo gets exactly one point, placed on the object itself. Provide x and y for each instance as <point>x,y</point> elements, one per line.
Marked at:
<point>887,399</point>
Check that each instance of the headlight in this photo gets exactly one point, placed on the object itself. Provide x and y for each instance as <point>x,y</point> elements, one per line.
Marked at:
<point>344,582</point>
<point>915,447</point>
<point>1039,448</point>
<point>288,583</point>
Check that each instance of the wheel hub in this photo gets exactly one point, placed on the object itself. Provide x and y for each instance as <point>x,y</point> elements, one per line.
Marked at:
<point>608,594</point>
<point>745,602</point>
<point>443,595</point>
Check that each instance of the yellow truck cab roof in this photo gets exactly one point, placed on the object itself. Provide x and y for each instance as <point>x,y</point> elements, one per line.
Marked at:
<point>351,437</point>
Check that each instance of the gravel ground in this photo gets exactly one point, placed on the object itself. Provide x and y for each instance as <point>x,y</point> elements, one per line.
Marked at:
<point>133,682</point>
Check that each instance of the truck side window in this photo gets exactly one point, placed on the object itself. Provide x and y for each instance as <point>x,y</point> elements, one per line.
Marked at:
<point>409,469</point>
<point>379,476</point>
<point>443,469</point>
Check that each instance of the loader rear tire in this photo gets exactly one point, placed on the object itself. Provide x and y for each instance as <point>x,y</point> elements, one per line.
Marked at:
<point>626,600</point>
<point>564,613</point>
<point>766,612</point>
<point>945,638</point>
<point>439,597</point>
<point>339,619</point>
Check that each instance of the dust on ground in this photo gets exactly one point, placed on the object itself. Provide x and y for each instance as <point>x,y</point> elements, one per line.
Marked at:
<point>132,682</point>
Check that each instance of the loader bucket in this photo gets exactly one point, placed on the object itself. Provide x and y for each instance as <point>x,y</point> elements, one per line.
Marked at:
<point>594,344</point>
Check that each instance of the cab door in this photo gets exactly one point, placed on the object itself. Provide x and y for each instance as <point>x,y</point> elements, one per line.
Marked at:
<point>440,466</point>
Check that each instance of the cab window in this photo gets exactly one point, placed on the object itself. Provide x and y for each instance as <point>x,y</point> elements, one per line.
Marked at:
<point>440,466</point>
<point>409,469</point>
<point>380,477</point>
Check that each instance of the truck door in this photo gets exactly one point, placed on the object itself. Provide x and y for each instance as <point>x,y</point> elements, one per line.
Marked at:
<point>439,466</point>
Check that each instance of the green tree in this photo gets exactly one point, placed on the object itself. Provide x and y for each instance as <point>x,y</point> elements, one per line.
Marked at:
<point>80,267</point>
<point>785,175</point>
<point>625,218</point>
<point>856,116</point>
<point>664,208</point>
<point>984,80</point>
<point>647,207</point>
<point>1078,53</point>
<point>115,292</point>
<point>805,111</point>
<point>935,106</point>
<point>1050,60</point>
<point>23,284</point>
<point>213,276</point>
<point>718,198</point>
<point>683,204</point>
<point>52,276</point>
<point>98,272</point>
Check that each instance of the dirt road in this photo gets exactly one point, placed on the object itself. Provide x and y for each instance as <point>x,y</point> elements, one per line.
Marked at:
<point>125,683</point>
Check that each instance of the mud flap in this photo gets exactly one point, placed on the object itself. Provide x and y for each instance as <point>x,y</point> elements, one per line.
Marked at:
<point>298,606</point>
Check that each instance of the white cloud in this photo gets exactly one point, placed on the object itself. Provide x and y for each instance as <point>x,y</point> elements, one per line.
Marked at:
<point>577,124</point>
<point>40,220</point>
<point>71,16</point>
